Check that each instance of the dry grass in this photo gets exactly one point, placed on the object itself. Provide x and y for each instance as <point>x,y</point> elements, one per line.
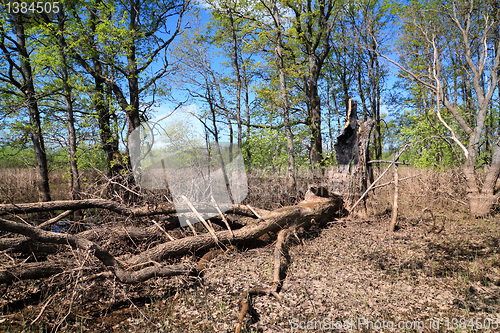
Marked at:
<point>19,185</point>
<point>443,192</point>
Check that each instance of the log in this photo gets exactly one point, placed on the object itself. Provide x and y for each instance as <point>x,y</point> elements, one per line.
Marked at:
<point>71,205</point>
<point>320,209</point>
<point>113,206</point>
<point>33,270</point>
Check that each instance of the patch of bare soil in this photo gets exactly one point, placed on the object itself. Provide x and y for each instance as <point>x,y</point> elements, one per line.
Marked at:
<point>352,273</point>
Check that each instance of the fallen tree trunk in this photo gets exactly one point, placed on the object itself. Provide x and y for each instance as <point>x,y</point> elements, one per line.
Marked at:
<point>113,206</point>
<point>71,205</point>
<point>320,209</point>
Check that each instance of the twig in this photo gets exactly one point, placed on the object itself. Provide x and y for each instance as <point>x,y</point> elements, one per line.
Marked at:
<point>253,211</point>
<point>139,310</point>
<point>222,215</point>
<point>202,220</point>
<point>55,219</point>
<point>382,161</point>
<point>164,231</point>
<point>191,227</point>
<point>43,309</point>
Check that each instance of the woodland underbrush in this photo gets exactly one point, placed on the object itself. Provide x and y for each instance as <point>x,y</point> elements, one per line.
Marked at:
<point>352,269</point>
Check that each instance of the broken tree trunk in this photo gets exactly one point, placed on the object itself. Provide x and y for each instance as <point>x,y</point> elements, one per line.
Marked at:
<point>320,209</point>
<point>351,177</point>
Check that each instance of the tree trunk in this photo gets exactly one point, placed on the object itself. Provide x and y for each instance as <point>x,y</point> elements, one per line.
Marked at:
<point>291,179</point>
<point>482,202</point>
<point>351,178</point>
<point>314,112</point>
<point>109,142</point>
<point>236,65</point>
<point>70,119</point>
<point>34,113</point>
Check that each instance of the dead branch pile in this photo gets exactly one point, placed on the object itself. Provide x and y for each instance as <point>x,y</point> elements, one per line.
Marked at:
<point>47,252</point>
<point>146,264</point>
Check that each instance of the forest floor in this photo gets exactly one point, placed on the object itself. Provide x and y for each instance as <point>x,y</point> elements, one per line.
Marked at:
<point>352,275</point>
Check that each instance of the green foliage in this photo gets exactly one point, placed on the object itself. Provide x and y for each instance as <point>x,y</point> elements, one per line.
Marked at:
<point>16,157</point>
<point>90,157</point>
<point>430,145</point>
<point>267,148</point>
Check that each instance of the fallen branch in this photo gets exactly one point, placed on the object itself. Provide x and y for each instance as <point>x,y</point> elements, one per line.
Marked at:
<point>281,259</point>
<point>113,206</point>
<point>54,220</point>
<point>382,161</point>
<point>378,178</point>
<point>104,256</point>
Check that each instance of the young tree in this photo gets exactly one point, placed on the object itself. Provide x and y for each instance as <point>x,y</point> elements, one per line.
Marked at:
<point>313,23</point>
<point>54,54</point>
<point>273,10</point>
